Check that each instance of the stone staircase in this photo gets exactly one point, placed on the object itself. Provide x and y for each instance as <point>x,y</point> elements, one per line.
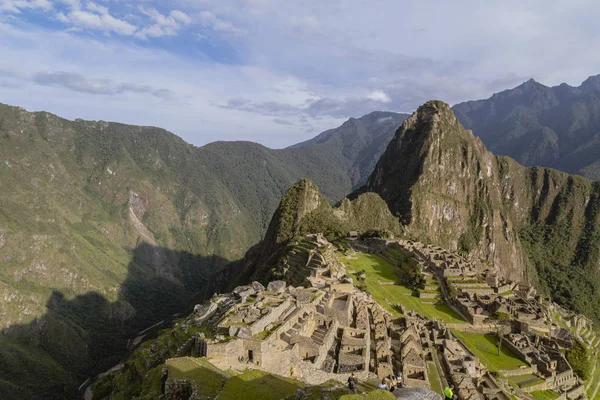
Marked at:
<point>319,334</point>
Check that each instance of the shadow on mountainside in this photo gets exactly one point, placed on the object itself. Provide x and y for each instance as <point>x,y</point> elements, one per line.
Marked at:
<point>86,335</point>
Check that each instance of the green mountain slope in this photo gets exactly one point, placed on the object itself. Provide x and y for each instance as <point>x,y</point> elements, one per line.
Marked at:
<point>106,228</point>
<point>556,127</point>
<point>304,210</point>
<point>535,223</point>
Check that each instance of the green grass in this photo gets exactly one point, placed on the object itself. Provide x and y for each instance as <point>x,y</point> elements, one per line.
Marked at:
<point>486,348</point>
<point>593,381</point>
<point>377,269</point>
<point>434,378</point>
<point>207,379</point>
<point>314,392</point>
<point>545,395</point>
<point>525,380</point>
<point>374,395</point>
<point>258,385</point>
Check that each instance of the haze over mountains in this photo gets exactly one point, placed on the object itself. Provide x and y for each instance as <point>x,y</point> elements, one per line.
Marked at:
<point>556,127</point>
<point>106,228</point>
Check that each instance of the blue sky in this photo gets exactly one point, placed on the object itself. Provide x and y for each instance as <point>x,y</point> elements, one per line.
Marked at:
<point>280,71</point>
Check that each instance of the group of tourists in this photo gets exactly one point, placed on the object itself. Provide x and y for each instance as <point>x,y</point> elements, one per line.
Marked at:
<point>388,383</point>
<point>391,383</point>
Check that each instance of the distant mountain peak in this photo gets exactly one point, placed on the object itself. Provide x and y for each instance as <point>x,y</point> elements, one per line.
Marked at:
<point>591,84</point>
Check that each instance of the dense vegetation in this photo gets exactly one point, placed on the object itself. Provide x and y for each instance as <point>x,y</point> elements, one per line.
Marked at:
<point>580,360</point>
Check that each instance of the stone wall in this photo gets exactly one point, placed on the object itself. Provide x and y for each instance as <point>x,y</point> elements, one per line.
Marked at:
<point>516,350</point>
<point>271,318</point>
<point>520,371</point>
<point>229,351</point>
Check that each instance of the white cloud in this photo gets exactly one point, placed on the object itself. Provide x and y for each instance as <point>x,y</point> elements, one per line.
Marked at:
<point>96,17</point>
<point>211,21</point>
<point>15,6</point>
<point>379,96</point>
<point>164,25</point>
<point>265,64</point>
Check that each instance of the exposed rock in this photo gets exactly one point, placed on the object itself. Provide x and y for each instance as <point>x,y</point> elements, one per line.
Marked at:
<point>204,311</point>
<point>244,291</point>
<point>244,333</point>
<point>416,394</point>
<point>276,286</point>
<point>258,286</point>
<point>233,330</point>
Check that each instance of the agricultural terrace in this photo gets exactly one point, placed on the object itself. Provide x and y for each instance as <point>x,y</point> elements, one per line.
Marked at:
<point>379,276</point>
<point>486,348</point>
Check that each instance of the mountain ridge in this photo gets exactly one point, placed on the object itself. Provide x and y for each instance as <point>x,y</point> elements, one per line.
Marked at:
<point>555,127</point>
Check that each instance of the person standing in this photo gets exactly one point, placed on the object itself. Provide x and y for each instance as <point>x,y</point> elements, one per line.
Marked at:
<point>383,385</point>
<point>449,392</point>
<point>353,384</point>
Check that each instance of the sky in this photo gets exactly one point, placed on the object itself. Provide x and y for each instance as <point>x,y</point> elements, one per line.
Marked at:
<point>279,72</point>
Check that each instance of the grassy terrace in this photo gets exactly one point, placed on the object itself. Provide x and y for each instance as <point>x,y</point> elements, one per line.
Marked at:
<point>525,380</point>
<point>204,376</point>
<point>544,395</point>
<point>486,348</point>
<point>258,385</point>
<point>379,270</point>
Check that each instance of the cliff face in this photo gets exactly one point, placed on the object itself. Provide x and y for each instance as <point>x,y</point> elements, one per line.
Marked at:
<point>447,189</point>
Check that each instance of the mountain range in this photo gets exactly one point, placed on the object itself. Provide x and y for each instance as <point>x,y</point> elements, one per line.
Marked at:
<point>106,229</point>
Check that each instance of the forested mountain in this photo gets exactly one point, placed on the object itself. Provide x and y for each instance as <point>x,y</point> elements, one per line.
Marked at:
<point>556,127</point>
<point>106,229</point>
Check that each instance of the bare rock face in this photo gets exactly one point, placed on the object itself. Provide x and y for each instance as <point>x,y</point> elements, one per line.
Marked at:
<point>204,311</point>
<point>258,286</point>
<point>276,286</point>
<point>416,394</point>
<point>244,291</point>
<point>233,330</point>
<point>244,333</point>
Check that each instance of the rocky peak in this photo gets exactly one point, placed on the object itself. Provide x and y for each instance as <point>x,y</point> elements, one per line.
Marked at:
<point>441,182</point>
<point>591,84</point>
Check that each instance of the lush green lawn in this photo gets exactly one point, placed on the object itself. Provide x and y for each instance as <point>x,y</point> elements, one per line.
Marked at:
<point>525,380</point>
<point>486,348</point>
<point>544,395</point>
<point>377,269</point>
<point>594,381</point>
<point>434,378</point>
<point>258,385</point>
<point>204,376</point>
